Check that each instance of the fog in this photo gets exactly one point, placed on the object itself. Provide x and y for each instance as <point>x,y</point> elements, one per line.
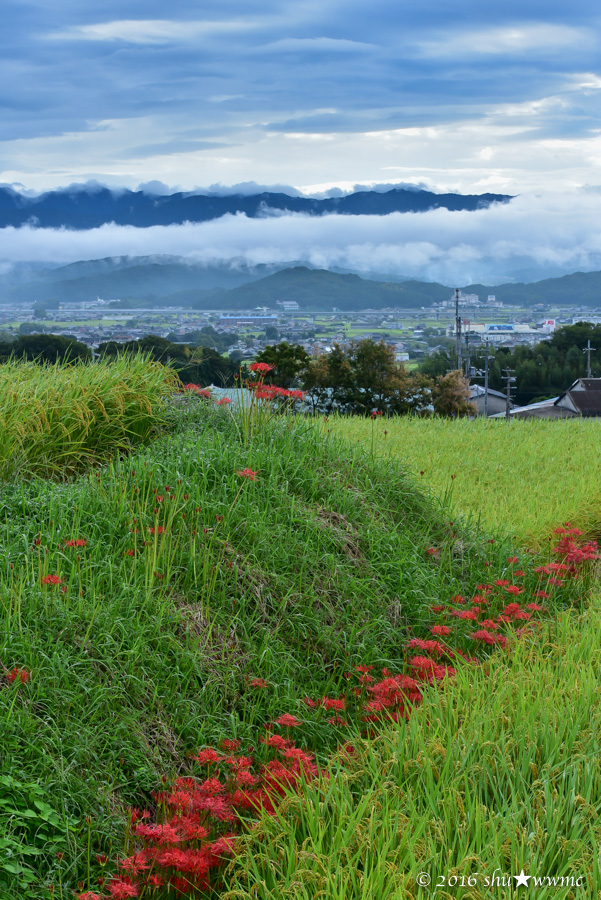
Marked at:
<point>530,238</point>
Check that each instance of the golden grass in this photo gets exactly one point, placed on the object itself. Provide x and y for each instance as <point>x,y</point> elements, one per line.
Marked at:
<point>524,478</point>
<point>57,419</point>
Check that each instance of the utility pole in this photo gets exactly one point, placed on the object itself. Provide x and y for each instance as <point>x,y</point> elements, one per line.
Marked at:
<point>486,378</point>
<point>458,330</point>
<point>510,380</point>
<point>467,352</point>
<point>587,350</point>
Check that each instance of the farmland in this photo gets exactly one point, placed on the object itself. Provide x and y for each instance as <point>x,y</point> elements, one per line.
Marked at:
<point>289,613</point>
<point>521,478</point>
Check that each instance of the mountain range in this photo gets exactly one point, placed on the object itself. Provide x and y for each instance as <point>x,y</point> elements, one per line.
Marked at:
<point>90,206</point>
<point>174,281</point>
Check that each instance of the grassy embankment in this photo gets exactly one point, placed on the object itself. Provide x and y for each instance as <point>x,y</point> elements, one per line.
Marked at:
<point>190,580</point>
<point>523,478</point>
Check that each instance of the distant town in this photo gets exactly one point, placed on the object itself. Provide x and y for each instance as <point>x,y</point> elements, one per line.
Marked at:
<point>414,333</point>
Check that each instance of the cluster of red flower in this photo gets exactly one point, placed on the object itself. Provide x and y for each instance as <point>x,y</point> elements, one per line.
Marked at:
<point>199,818</point>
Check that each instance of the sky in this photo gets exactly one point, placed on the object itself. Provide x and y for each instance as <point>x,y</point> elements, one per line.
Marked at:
<point>468,97</point>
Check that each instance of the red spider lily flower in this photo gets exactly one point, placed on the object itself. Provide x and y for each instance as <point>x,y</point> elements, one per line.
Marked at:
<point>200,392</point>
<point>501,582</point>
<point>277,741</point>
<point>363,669</point>
<point>469,614</point>
<point>287,721</point>
<point>457,599</point>
<point>261,367</point>
<point>230,744</point>
<point>512,559</point>
<point>258,683</point>
<point>89,895</point>
<point>431,551</point>
<point>122,889</point>
<point>437,609</point>
<point>248,473</point>
<point>78,542</point>
<point>375,413</point>
<point>514,589</point>
<point>478,598</point>
<point>130,552</point>
<point>159,498</point>
<point>519,573</point>
<point>489,623</point>
<point>542,595</point>
<point>337,722</point>
<point>22,674</point>
<point>155,881</point>
<point>487,588</point>
<point>488,638</point>
<point>158,530</point>
<point>440,630</point>
<point>310,704</point>
<point>434,647</point>
<point>534,606</point>
<point>51,579</point>
<point>224,401</point>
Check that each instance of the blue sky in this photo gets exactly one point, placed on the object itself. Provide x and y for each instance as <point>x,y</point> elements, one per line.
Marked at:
<point>465,96</point>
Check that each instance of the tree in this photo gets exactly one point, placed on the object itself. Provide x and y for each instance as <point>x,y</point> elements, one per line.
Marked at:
<point>46,348</point>
<point>364,377</point>
<point>290,361</point>
<point>450,396</point>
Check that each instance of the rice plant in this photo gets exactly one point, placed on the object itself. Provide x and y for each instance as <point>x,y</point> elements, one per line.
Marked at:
<point>57,419</point>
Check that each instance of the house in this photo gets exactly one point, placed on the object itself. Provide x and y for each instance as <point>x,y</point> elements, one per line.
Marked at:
<point>582,399</point>
<point>496,400</point>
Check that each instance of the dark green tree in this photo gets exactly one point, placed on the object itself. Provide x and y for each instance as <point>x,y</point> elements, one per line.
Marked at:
<point>290,361</point>
<point>46,348</point>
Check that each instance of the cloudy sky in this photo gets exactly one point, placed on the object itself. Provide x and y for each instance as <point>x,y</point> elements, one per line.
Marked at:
<point>467,96</point>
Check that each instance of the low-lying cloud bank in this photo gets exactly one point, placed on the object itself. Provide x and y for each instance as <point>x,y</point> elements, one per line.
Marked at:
<point>530,238</point>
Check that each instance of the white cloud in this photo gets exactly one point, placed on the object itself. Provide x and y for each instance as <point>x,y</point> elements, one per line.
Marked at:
<point>536,235</point>
<point>509,40</point>
<point>150,31</point>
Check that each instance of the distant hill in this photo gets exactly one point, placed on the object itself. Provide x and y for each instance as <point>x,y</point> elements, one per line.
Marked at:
<point>132,278</point>
<point>174,281</point>
<point>89,206</point>
<point>322,289</point>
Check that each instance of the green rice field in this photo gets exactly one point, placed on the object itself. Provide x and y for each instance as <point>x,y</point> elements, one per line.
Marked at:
<point>523,478</point>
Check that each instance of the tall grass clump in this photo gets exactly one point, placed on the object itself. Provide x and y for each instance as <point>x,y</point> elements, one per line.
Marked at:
<point>57,419</point>
<point>495,775</point>
<point>144,602</point>
<point>523,477</point>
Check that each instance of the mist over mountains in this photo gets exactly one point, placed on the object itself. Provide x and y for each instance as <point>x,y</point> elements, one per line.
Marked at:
<point>90,206</point>
<point>170,281</point>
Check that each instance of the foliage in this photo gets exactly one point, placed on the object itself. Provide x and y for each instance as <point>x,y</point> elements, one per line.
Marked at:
<point>145,597</point>
<point>494,775</point>
<point>44,348</point>
<point>544,370</point>
<point>56,420</point>
<point>365,377</point>
<point>202,365</point>
<point>450,396</point>
<point>289,362</point>
<point>520,478</point>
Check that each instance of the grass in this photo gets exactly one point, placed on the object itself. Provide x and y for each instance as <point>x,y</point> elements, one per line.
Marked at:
<point>56,420</point>
<point>496,774</point>
<point>522,479</point>
<point>177,580</point>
